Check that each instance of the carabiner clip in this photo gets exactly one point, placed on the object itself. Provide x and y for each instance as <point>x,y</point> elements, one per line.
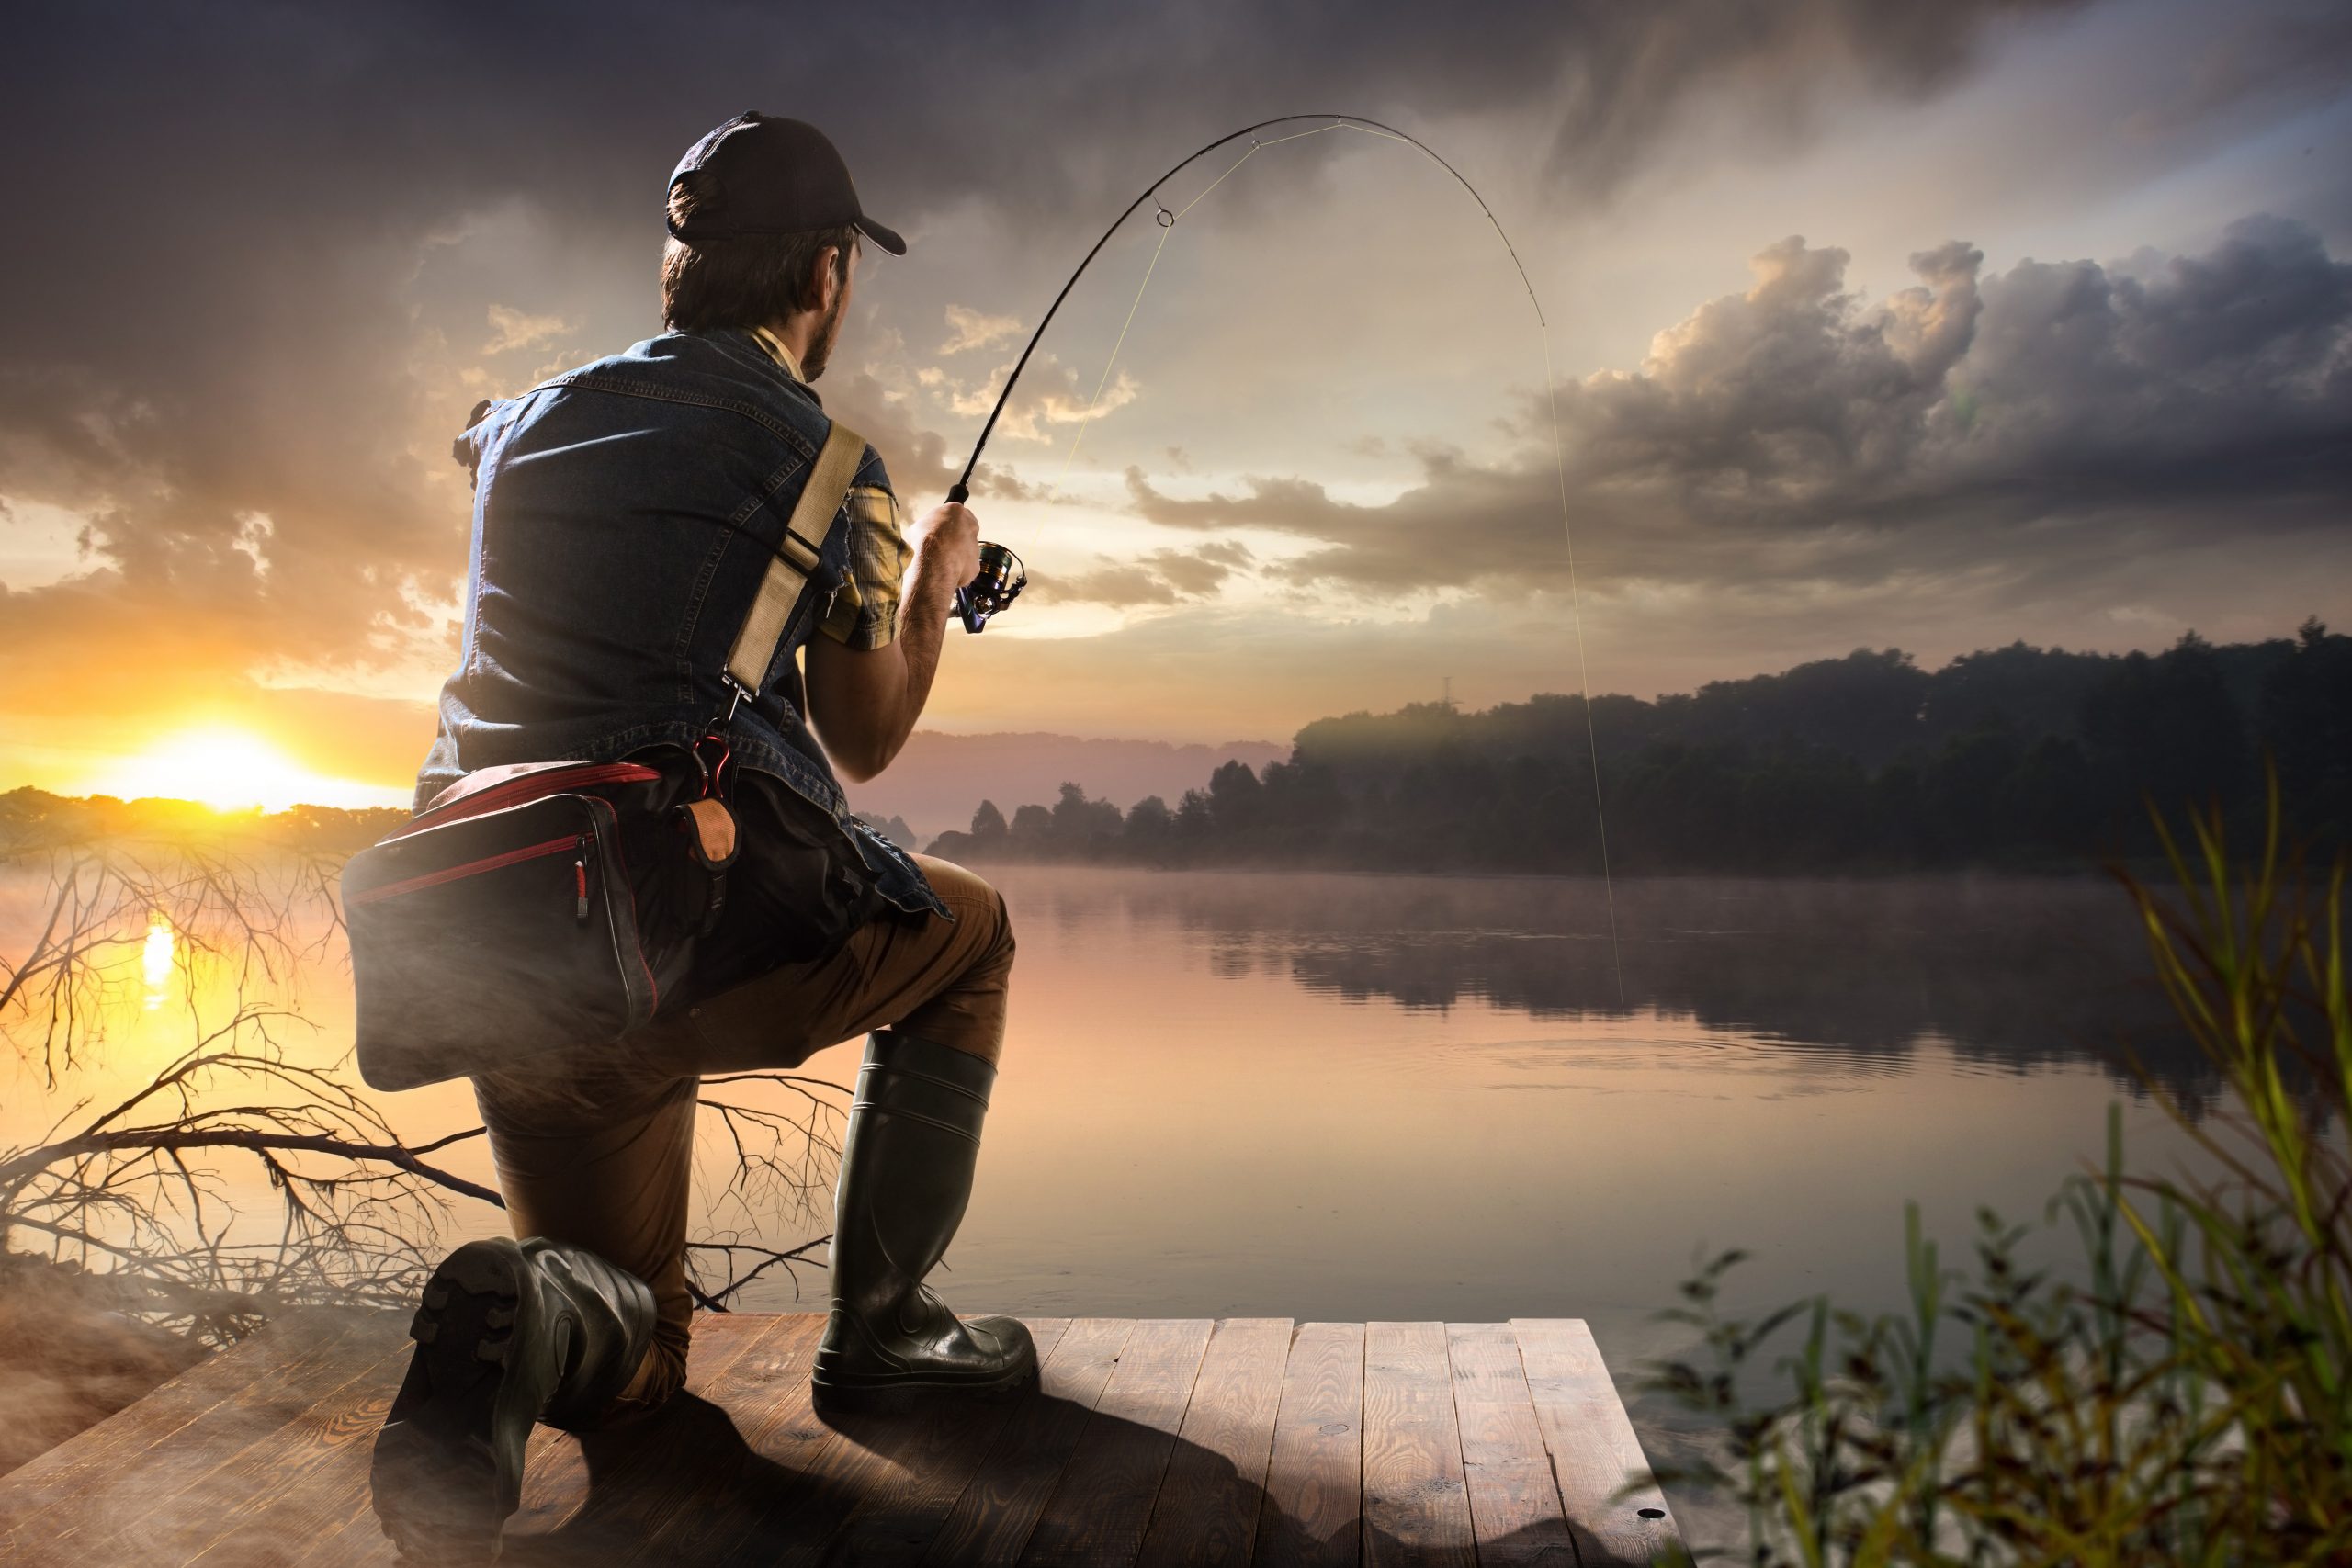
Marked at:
<point>713,773</point>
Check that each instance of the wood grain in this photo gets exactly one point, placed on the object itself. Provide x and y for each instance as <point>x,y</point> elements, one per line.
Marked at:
<point>1415,1510</point>
<point>1104,1500</point>
<point>209,1410</point>
<point>908,1472</point>
<point>1209,1502</point>
<point>1313,1512</point>
<point>991,1521</point>
<point>154,1508</point>
<point>268,1506</point>
<point>594,1495</point>
<point>1594,1452</point>
<point>1516,1516</point>
<point>755,1435</point>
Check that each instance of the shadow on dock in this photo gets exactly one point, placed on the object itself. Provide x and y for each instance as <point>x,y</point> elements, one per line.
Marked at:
<point>748,1509</point>
<point>1158,1441</point>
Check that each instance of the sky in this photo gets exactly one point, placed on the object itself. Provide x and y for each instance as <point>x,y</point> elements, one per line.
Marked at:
<point>1930,327</point>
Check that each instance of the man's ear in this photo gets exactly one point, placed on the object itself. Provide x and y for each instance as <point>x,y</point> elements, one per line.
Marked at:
<point>830,267</point>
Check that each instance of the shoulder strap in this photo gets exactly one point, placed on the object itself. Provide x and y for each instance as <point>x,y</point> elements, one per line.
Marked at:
<point>790,566</point>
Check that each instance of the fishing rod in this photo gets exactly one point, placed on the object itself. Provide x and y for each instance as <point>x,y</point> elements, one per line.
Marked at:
<point>1002,575</point>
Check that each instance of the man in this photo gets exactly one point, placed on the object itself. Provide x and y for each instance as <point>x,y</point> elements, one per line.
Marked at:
<point>624,517</point>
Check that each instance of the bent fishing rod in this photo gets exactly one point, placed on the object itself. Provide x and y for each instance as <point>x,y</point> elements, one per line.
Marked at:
<point>1001,576</point>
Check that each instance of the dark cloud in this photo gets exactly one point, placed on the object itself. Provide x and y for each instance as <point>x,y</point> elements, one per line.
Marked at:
<point>1796,432</point>
<point>2287,52</point>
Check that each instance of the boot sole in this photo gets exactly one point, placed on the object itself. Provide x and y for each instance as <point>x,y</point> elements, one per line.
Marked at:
<point>901,1395</point>
<point>441,1488</point>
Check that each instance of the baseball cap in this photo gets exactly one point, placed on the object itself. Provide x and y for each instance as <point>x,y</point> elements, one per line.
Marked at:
<point>765,174</point>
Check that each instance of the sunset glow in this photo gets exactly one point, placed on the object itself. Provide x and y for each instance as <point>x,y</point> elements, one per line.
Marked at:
<point>231,771</point>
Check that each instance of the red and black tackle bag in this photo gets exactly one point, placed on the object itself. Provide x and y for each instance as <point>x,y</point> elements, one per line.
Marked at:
<point>527,908</point>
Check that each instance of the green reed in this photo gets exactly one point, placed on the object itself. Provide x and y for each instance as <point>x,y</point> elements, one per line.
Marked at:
<point>2179,1396</point>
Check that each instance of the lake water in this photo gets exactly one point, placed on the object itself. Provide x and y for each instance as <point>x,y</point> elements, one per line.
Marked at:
<point>1344,1097</point>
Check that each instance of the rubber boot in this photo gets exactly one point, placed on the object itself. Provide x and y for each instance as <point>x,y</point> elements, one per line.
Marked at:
<point>510,1334</point>
<point>907,1161</point>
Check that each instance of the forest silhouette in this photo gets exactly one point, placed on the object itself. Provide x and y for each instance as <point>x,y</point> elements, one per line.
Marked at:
<point>2014,758</point>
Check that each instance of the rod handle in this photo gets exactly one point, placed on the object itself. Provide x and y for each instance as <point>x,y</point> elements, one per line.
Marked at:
<point>957,494</point>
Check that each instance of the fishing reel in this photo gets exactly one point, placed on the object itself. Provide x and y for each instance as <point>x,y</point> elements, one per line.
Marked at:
<point>1002,579</point>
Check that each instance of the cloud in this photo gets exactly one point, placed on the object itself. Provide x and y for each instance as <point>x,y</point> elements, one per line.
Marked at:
<point>2274,53</point>
<point>517,329</point>
<point>1050,393</point>
<point>969,329</point>
<point>1162,577</point>
<point>1795,433</point>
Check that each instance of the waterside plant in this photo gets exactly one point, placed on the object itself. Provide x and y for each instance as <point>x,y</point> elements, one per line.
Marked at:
<point>2178,1396</point>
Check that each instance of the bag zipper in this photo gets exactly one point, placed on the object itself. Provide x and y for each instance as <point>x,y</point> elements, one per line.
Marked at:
<point>528,788</point>
<point>477,867</point>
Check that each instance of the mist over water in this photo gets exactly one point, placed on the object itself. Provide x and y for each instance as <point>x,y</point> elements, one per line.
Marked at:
<point>1367,1097</point>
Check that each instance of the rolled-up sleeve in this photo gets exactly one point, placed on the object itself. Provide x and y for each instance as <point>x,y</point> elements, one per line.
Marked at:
<point>864,616</point>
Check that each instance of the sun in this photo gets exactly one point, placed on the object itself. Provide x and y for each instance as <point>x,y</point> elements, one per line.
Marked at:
<point>231,771</point>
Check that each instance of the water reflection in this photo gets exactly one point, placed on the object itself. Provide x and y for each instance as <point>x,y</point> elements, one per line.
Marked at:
<point>155,961</point>
<point>2006,972</point>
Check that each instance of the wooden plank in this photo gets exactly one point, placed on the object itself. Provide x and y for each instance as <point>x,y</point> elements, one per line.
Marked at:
<point>750,1438</point>
<point>992,1519</point>
<point>916,1469</point>
<point>1209,1502</point>
<point>208,1492</point>
<point>213,1404</point>
<point>1313,1513</point>
<point>1100,1507</point>
<point>147,1510</point>
<point>1415,1510</point>
<point>269,1505</point>
<point>591,1496</point>
<point>1516,1516</point>
<point>1594,1450</point>
<point>594,1486</point>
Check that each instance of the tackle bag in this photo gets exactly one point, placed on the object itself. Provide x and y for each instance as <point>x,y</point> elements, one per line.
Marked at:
<point>546,904</point>
<point>539,906</point>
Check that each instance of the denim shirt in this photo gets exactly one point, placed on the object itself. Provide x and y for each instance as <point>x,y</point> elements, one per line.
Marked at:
<point>624,515</point>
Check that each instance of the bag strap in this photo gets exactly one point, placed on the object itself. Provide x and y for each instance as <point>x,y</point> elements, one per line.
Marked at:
<point>790,564</point>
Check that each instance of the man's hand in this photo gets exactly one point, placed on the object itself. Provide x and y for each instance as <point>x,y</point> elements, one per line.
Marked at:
<point>864,705</point>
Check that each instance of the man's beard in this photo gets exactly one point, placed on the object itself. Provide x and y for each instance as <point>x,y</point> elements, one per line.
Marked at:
<point>820,342</point>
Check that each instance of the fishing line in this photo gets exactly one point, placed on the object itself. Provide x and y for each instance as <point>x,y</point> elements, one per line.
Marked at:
<point>1168,220</point>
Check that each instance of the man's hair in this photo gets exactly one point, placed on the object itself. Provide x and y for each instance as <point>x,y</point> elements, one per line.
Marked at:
<point>745,281</point>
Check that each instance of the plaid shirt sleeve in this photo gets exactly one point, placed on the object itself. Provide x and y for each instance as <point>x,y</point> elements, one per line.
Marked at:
<point>866,612</point>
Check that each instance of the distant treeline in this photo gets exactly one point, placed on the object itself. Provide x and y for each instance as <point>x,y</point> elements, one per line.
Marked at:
<point>2017,757</point>
<point>33,819</point>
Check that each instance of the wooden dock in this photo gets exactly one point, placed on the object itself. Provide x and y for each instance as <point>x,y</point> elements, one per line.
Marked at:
<point>1153,1441</point>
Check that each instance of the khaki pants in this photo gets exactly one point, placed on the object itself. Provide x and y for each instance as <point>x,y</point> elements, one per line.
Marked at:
<point>597,1151</point>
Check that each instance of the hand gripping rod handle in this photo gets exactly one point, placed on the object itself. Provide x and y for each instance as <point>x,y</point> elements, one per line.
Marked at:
<point>957,496</point>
